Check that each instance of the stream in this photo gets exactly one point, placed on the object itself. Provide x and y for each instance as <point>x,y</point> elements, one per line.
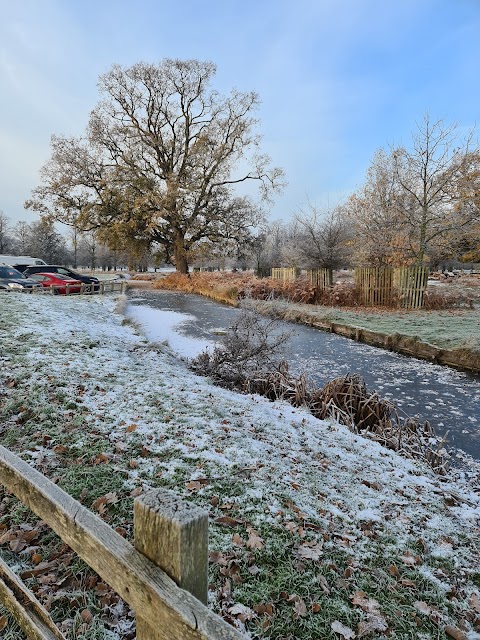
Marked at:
<point>447,398</point>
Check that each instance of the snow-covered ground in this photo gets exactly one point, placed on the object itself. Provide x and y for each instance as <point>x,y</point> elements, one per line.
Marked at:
<point>315,531</point>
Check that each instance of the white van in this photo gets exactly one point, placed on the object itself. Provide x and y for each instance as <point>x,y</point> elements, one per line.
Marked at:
<point>13,261</point>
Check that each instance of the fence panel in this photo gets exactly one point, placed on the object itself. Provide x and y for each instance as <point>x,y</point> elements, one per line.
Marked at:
<point>411,284</point>
<point>320,278</point>
<point>285,274</point>
<point>374,285</point>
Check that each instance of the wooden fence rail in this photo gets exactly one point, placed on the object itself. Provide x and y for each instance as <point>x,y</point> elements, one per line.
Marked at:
<point>170,538</point>
<point>70,289</point>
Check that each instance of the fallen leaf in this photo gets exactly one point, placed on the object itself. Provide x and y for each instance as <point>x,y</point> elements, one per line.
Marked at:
<point>86,616</point>
<point>373,623</point>
<point>474,602</point>
<point>132,427</point>
<point>242,612</point>
<point>310,551</point>
<point>193,485</point>
<point>423,607</point>
<point>238,540</point>
<point>254,540</point>
<point>324,584</point>
<point>455,633</point>
<point>409,559</point>
<point>300,608</point>
<point>228,521</point>
<point>264,609</point>
<point>17,545</point>
<point>344,631</point>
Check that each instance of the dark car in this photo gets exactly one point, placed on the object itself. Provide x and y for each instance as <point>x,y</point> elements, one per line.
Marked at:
<point>64,271</point>
<point>13,280</point>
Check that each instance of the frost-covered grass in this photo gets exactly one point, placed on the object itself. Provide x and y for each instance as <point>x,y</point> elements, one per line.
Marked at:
<point>310,525</point>
<point>451,329</point>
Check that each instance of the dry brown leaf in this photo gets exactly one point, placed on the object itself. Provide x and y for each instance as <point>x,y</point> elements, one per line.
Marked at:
<point>309,551</point>
<point>17,545</point>
<point>86,616</point>
<point>373,623</point>
<point>406,582</point>
<point>324,584</point>
<point>344,631</point>
<point>254,540</point>
<point>238,540</point>
<point>393,570</point>
<point>409,559</point>
<point>227,521</point>
<point>455,633</point>
<point>423,607</point>
<point>132,427</point>
<point>193,485</point>
<point>242,612</point>
<point>474,602</point>
<point>3,622</point>
<point>264,609</point>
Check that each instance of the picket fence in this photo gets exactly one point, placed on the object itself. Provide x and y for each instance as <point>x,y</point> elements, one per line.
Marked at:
<point>384,286</point>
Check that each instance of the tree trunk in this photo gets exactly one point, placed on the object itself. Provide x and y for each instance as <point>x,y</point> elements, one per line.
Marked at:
<point>180,254</point>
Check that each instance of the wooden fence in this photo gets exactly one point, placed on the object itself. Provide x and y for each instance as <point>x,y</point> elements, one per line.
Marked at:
<point>411,284</point>
<point>374,285</point>
<point>320,278</point>
<point>71,289</point>
<point>384,286</point>
<point>285,274</point>
<point>163,576</point>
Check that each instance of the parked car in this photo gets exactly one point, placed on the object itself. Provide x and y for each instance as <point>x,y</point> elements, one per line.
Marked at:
<point>52,268</point>
<point>20,261</point>
<point>13,280</point>
<point>58,281</point>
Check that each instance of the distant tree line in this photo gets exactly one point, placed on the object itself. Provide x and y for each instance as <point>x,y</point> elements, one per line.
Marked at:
<point>155,178</point>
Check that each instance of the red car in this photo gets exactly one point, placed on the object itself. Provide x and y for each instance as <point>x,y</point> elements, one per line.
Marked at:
<point>57,282</point>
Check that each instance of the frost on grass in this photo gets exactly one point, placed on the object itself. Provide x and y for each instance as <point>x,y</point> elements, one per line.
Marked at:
<point>312,528</point>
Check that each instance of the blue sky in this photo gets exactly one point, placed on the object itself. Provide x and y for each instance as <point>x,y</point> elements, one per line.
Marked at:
<point>337,79</point>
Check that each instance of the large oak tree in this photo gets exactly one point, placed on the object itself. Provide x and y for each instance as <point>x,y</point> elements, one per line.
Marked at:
<point>161,160</point>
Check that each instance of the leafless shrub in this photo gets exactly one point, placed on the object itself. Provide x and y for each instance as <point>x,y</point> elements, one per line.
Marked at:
<point>251,347</point>
<point>346,400</point>
<point>435,300</point>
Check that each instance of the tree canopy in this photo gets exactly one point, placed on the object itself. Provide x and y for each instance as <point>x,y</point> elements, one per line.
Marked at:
<point>161,160</point>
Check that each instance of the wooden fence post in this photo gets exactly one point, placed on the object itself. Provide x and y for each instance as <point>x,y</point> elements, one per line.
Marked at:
<point>173,534</point>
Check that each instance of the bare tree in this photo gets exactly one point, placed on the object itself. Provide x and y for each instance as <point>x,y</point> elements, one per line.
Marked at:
<point>22,236</point>
<point>428,180</point>
<point>322,237</point>
<point>162,153</point>
<point>416,199</point>
<point>5,240</point>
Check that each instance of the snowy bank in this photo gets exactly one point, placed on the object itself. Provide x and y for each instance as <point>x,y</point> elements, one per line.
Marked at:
<point>313,529</point>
